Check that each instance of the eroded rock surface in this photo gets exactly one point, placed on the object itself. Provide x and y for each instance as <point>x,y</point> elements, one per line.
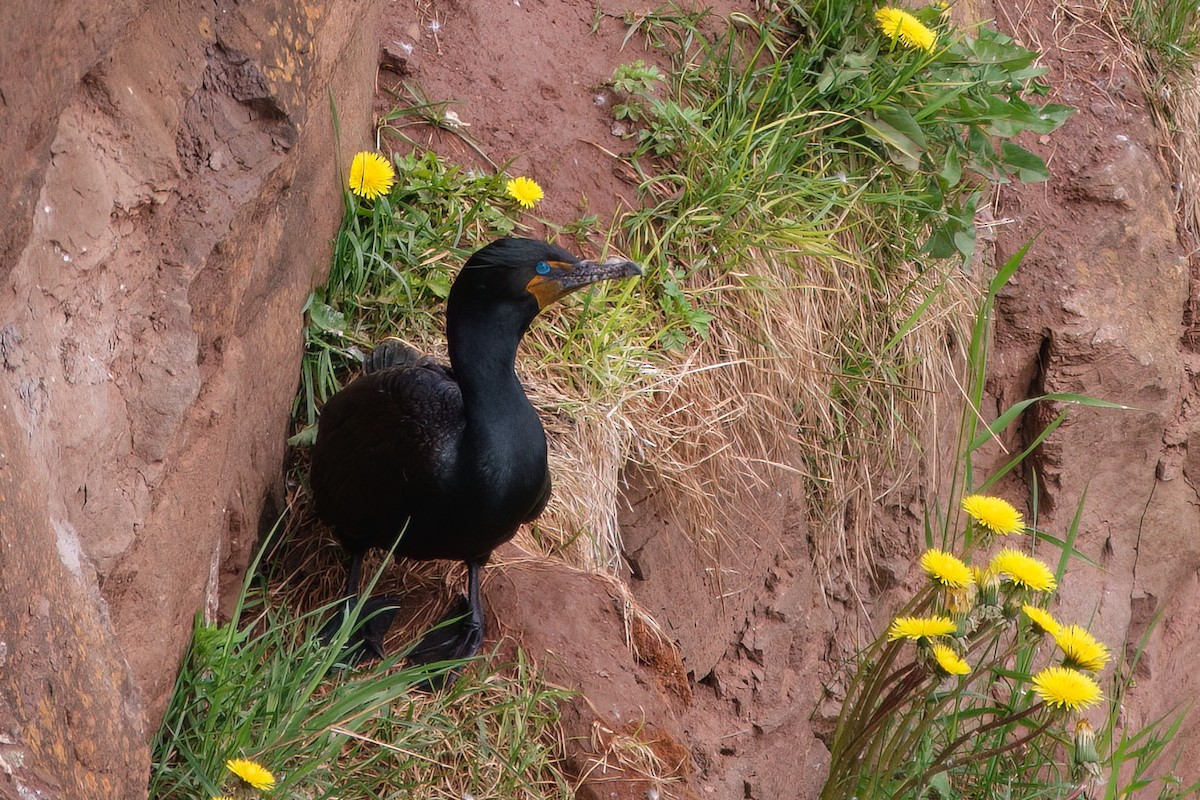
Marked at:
<point>1099,308</point>
<point>169,198</point>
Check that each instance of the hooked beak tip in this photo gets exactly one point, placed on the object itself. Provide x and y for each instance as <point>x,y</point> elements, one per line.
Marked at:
<point>622,267</point>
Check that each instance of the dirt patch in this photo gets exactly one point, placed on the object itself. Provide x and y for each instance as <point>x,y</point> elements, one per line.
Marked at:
<point>527,80</point>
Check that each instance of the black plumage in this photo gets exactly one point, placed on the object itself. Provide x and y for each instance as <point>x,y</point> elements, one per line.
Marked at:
<point>450,459</point>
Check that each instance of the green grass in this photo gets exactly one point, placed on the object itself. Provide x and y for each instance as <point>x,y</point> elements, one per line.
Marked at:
<point>265,688</point>
<point>1168,32</point>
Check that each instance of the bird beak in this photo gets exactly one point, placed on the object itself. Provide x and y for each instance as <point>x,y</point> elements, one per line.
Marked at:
<point>563,278</point>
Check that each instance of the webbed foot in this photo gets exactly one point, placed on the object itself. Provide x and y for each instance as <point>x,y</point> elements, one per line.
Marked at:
<point>458,636</point>
<point>365,642</point>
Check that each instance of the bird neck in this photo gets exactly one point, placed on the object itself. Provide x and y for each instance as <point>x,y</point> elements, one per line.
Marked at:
<point>483,353</point>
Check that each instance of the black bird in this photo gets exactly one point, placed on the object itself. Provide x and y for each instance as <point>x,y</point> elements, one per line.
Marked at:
<point>450,460</point>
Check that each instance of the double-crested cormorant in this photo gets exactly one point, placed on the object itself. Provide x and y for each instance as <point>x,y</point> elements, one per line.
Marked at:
<point>449,459</point>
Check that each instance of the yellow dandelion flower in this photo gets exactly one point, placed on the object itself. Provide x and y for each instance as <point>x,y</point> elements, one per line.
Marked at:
<point>950,662</point>
<point>371,175</point>
<point>903,26</point>
<point>1042,618</point>
<point>946,569</point>
<point>1080,649</point>
<point>223,797</point>
<point>993,513</point>
<point>1023,570</point>
<point>1066,688</point>
<point>525,191</point>
<point>920,627</point>
<point>251,772</point>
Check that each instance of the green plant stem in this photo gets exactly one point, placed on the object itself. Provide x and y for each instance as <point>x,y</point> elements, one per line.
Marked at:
<point>940,762</point>
<point>909,677</point>
<point>867,685</point>
<point>875,758</point>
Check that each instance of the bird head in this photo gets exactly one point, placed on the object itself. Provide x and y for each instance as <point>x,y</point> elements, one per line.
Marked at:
<point>531,273</point>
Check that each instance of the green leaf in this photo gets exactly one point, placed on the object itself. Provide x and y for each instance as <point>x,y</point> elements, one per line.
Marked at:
<point>898,119</point>
<point>941,241</point>
<point>1028,166</point>
<point>964,242</point>
<point>1004,420</point>
<point>940,785</point>
<point>326,317</point>
<point>896,128</point>
<point>305,437</point>
<point>951,168</point>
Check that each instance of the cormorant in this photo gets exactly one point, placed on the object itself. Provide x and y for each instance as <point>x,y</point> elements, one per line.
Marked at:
<point>449,459</point>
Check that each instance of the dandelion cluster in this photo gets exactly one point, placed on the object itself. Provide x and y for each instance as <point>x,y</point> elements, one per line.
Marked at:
<point>987,598</point>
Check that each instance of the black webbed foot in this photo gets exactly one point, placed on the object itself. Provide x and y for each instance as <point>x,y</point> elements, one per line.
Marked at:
<point>365,642</point>
<point>458,636</point>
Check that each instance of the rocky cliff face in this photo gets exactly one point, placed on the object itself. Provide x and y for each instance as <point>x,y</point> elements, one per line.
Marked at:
<point>169,198</point>
<point>1100,307</point>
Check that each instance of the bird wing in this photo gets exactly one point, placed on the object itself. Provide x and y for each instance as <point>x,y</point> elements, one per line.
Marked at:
<point>385,445</point>
<point>392,352</point>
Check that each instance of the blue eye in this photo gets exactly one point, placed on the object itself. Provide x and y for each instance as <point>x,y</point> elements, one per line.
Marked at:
<point>542,268</point>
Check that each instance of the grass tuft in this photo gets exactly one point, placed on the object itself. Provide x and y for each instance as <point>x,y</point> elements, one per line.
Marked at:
<point>264,688</point>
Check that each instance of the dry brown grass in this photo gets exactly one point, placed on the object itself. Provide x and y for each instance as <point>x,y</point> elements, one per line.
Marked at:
<point>768,391</point>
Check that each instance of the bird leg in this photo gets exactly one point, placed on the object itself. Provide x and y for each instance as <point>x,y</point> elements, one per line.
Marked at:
<point>366,640</point>
<point>460,633</point>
